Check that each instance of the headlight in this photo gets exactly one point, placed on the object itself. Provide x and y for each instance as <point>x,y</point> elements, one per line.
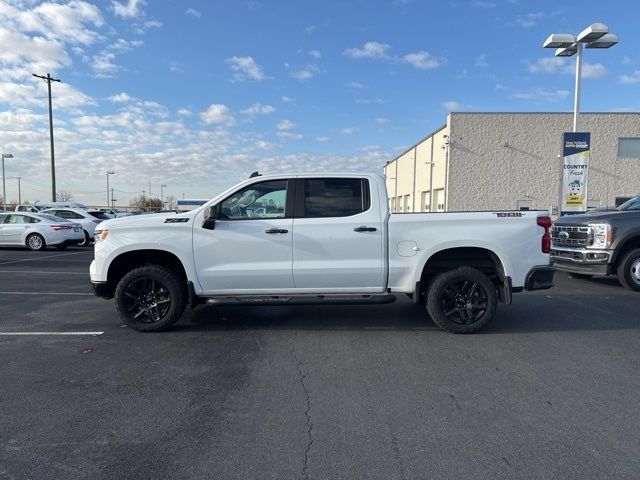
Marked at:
<point>100,235</point>
<point>602,235</point>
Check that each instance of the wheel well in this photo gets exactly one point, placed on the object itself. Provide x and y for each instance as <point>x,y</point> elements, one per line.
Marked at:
<point>479,258</point>
<point>628,245</point>
<point>126,262</point>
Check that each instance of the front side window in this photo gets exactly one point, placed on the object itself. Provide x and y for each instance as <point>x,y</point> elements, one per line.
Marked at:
<point>19,219</point>
<point>335,197</point>
<point>632,204</point>
<point>257,201</point>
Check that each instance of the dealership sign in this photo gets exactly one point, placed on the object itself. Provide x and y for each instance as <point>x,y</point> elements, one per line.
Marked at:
<point>576,148</point>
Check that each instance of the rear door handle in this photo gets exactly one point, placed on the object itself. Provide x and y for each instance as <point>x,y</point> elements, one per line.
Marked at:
<point>276,230</point>
<point>365,229</point>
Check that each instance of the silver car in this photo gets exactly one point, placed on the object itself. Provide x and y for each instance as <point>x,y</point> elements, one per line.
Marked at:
<point>36,231</point>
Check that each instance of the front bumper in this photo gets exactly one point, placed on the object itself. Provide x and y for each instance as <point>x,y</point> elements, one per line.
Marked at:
<point>581,260</point>
<point>100,289</point>
<point>539,278</point>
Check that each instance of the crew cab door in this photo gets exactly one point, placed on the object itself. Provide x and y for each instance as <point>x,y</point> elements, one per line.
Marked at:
<point>338,236</point>
<point>250,249</point>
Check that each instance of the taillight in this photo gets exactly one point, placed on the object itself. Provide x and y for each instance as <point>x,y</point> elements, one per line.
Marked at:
<point>545,222</point>
<point>61,227</point>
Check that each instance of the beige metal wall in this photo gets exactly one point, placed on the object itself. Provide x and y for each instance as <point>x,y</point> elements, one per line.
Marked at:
<point>509,161</point>
<point>503,160</point>
<point>416,175</point>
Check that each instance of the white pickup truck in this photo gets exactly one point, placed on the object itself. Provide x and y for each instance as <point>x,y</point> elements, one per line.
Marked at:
<point>304,239</point>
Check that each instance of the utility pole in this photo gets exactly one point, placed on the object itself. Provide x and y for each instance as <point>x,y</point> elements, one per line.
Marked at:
<point>19,196</point>
<point>50,79</point>
<point>113,202</point>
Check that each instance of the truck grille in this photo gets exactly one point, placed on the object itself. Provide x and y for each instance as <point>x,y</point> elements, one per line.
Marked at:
<point>573,236</point>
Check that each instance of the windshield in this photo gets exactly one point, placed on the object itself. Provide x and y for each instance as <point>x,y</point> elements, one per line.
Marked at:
<point>631,204</point>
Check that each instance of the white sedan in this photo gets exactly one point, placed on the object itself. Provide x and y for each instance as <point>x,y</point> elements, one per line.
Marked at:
<point>89,219</point>
<point>37,231</point>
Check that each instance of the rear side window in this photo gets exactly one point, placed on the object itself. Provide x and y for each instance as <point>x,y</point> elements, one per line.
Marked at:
<point>99,215</point>
<point>335,197</point>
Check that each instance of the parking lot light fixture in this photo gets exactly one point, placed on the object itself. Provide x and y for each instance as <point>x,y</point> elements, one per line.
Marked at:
<point>595,35</point>
<point>4,189</point>
<point>108,173</point>
<point>162,187</point>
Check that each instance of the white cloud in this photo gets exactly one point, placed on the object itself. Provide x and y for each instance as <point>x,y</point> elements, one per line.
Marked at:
<point>128,9</point>
<point>453,106</point>
<point>103,63</point>
<point>258,109</point>
<point>176,67</point>
<point>290,135</point>
<point>529,20</point>
<point>555,65</point>
<point>185,112</point>
<point>120,98</point>
<point>305,73</point>
<point>218,114</point>
<point>322,139</point>
<point>421,60</point>
<point>356,85</point>
<point>629,79</point>
<point>369,50</point>
<point>481,60</point>
<point>262,145</point>
<point>315,53</point>
<point>286,125</point>
<point>245,68</point>
<point>542,94</point>
<point>286,99</point>
<point>349,131</point>
<point>192,12</point>
<point>482,4</point>
<point>380,121</point>
<point>370,101</point>
<point>310,29</point>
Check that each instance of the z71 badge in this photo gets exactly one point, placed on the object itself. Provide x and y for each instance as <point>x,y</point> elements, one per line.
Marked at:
<point>176,220</point>
<point>508,214</point>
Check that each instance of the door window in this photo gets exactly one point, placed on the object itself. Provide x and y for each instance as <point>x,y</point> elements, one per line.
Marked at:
<point>335,197</point>
<point>258,201</point>
<point>18,219</point>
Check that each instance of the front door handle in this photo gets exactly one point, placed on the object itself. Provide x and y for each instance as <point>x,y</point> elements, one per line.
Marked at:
<point>276,230</point>
<point>365,229</point>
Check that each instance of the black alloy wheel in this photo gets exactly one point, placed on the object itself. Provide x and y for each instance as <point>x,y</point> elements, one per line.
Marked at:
<point>150,298</point>
<point>461,300</point>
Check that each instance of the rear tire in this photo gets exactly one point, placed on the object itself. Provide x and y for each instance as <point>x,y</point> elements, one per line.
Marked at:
<point>150,298</point>
<point>581,276</point>
<point>86,241</point>
<point>35,241</point>
<point>462,300</point>
<point>629,270</point>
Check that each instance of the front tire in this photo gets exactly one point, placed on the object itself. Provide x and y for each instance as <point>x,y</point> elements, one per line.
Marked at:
<point>35,241</point>
<point>629,270</point>
<point>150,298</point>
<point>462,300</point>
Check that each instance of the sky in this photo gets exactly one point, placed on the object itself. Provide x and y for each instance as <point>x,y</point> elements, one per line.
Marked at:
<point>196,95</point>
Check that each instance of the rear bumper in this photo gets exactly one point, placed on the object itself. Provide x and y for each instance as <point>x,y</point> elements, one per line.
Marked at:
<point>539,278</point>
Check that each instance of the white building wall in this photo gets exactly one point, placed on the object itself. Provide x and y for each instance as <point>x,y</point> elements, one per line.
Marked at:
<point>502,160</point>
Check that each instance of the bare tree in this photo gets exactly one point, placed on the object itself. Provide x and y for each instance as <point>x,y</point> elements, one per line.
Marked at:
<point>146,203</point>
<point>170,202</point>
<point>64,196</point>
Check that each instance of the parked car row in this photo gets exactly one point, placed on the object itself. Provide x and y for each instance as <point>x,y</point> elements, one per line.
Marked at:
<point>36,231</point>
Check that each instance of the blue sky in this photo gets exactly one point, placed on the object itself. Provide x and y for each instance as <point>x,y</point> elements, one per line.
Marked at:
<point>197,95</point>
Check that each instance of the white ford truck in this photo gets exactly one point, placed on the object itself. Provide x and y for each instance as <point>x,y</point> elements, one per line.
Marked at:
<point>304,239</point>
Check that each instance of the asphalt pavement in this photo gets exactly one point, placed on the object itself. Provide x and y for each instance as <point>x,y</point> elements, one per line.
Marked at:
<point>549,389</point>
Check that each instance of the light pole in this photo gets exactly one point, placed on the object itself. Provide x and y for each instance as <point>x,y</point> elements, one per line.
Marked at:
<point>4,189</point>
<point>162,187</point>
<point>108,173</point>
<point>50,79</point>
<point>567,45</point>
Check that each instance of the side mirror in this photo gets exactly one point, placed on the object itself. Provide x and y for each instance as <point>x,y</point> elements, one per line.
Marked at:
<point>211,214</point>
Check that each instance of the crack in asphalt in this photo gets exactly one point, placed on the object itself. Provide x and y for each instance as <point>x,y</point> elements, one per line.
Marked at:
<point>307,413</point>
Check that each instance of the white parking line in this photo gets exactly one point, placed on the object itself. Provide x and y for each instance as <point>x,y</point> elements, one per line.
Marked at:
<point>11,334</point>
<point>42,272</point>
<point>46,293</point>
<point>40,258</point>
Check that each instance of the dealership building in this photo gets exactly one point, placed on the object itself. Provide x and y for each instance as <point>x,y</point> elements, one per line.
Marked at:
<point>490,161</point>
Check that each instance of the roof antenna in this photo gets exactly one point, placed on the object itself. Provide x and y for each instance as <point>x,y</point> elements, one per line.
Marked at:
<point>255,174</point>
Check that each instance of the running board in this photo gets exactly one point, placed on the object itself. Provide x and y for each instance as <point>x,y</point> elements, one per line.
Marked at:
<point>335,299</point>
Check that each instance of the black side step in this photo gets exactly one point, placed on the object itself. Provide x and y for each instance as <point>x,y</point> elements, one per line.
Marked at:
<point>329,299</point>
